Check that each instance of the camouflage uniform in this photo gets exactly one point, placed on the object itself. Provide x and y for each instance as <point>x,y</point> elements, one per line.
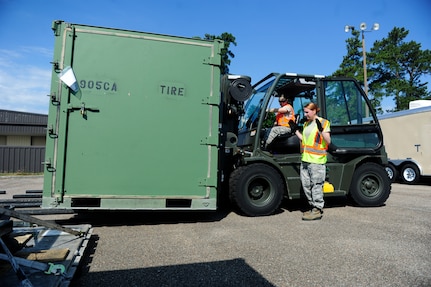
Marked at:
<point>312,178</point>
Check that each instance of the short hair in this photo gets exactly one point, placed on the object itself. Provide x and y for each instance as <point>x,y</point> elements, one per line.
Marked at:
<point>283,98</point>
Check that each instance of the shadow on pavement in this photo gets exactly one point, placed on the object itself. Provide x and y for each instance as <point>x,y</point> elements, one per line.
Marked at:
<point>235,273</point>
<point>131,218</point>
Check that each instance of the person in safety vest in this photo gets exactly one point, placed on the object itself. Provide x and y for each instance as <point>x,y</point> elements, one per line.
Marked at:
<point>315,139</point>
<point>281,125</point>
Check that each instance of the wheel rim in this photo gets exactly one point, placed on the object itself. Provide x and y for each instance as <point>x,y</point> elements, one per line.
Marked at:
<point>390,172</point>
<point>409,174</point>
<point>259,191</point>
<point>370,186</point>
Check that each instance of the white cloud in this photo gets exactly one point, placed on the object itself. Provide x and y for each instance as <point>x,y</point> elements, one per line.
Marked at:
<point>37,50</point>
<point>24,85</point>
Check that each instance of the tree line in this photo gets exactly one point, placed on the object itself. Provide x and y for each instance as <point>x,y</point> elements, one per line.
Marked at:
<point>395,67</point>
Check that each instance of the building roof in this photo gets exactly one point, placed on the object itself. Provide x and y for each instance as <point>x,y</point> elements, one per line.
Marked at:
<point>22,123</point>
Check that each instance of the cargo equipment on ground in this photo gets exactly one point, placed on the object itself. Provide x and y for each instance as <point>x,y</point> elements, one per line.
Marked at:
<point>37,252</point>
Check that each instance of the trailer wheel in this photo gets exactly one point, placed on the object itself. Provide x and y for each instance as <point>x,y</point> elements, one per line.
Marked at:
<point>409,173</point>
<point>392,172</point>
<point>256,189</point>
<point>370,185</point>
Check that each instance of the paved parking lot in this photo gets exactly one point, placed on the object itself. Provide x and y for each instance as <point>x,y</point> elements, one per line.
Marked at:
<point>350,246</point>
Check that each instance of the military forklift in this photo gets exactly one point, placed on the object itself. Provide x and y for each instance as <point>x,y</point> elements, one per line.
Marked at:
<point>356,159</point>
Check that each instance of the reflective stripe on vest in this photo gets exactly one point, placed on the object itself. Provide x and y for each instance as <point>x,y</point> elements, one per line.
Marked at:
<point>314,148</point>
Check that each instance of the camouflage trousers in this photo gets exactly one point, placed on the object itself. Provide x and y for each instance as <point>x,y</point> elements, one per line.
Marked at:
<point>276,131</point>
<point>312,178</point>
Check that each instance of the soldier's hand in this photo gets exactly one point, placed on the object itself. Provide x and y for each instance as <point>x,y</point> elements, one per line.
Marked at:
<point>319,125</point>
<point>293,126</point>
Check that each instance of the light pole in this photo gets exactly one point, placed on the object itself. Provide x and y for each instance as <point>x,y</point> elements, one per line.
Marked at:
<point>363,28</point>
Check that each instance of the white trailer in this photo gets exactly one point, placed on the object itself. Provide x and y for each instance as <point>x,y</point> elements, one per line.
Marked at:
<point>407,140</point>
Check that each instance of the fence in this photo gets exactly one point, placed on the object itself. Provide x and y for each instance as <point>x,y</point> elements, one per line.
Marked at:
<point>19,159</point>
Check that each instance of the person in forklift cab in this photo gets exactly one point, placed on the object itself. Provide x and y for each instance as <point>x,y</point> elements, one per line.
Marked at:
<point>285,114</point>
<point>315,139</point>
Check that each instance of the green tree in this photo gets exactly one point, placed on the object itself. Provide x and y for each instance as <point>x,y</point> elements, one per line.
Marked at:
<point>352,66</point>
<point>395,68</point>
<point>398,67</point>
<point>226,54</point>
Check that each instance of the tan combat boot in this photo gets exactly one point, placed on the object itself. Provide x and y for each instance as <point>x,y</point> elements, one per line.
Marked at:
<point>314,214</point>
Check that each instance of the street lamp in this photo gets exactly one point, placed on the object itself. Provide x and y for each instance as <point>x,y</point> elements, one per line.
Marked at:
<point>363,28</point>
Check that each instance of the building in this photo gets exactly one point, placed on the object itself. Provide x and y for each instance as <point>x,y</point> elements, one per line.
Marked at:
<point>22,142</point>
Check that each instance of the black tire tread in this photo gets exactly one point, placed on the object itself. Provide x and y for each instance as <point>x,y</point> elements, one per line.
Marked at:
<point>235,190</point>
<point>378,172</point>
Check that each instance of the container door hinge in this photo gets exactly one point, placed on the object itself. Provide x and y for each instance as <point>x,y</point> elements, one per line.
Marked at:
<point>210,140</point>
<point>55,27</point>
<point>54,99</point>
<point>207,181</point>
<point>56,66</point>
<point>48,165</point>
<point>51,132</point>
<point>214,61</point>
<point>211,100</point>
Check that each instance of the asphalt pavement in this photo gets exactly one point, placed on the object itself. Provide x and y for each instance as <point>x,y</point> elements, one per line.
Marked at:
<point>351,246</point>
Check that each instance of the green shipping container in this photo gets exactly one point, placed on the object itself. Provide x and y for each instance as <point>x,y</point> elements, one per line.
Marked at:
<point>133,121</point>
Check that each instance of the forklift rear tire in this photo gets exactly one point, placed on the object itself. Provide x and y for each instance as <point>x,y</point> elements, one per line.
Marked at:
<point>257,189</point>
<point>370,185</point>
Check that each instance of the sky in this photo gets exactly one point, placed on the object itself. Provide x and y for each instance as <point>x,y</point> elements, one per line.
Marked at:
<point>272,36</point>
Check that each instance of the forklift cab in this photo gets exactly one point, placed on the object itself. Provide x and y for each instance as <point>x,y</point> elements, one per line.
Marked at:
<point>354,125</point>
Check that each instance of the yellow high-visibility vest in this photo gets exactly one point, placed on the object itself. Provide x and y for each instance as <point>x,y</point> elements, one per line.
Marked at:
<point>314,147</point>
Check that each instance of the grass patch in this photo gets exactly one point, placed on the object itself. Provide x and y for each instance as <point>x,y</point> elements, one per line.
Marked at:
<point>21,173</point>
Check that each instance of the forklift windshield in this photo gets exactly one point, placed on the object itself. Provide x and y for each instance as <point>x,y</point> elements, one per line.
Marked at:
<point>254,106</point>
